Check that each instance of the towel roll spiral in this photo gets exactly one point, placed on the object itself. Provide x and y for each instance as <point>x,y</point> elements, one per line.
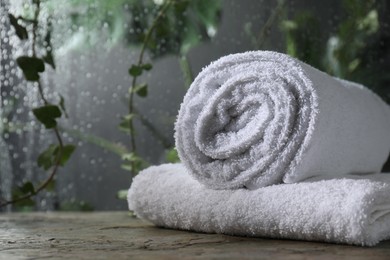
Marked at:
<point>260,118</point>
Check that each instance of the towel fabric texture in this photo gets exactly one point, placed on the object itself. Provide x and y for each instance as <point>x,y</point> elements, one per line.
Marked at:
<point>272,147</point>
<point>260,118</point>
<point>351,211</point>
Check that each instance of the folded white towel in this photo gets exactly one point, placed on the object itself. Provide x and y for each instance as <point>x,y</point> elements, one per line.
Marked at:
<point>340,210</point>
<point>261,118</point>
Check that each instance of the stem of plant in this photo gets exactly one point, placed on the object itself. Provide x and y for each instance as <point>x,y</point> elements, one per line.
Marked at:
<point>265,30</point>
<point>134,81</point>
<point>35,27</point>
<point>186,69</point>
<point>44,184</point>
<point>153,130</point>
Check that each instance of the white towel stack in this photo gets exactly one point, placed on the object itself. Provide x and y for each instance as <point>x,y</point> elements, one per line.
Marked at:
<point>351,211</point>
<point>256,119</point>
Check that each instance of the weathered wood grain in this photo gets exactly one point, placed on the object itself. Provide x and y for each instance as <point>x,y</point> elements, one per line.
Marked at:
<point>115,235</point>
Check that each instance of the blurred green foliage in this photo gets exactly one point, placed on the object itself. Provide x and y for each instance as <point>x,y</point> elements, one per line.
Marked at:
<point>32,65</point>
<point>351,52</point>
<point>183,25</point>
<point>172,156</point>
<point>186,23</point>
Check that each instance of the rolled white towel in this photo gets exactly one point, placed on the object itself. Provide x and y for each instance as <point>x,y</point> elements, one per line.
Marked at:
<point>260,118</point>
<point>338,210</point>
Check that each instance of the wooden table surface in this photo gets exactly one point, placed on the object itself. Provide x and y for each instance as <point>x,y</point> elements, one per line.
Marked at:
<point>116,235</point>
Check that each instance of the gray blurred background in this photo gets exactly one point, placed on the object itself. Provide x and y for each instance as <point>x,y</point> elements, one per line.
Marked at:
<point>92,75</point>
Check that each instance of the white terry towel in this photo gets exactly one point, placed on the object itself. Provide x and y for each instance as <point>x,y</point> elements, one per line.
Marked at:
<point>339,210</point>
<point>260,118</point>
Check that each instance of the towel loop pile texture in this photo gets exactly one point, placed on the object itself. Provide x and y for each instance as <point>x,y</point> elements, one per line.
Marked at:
<point>351,211</point>
<point>260,118</point>
<point>272,147</point>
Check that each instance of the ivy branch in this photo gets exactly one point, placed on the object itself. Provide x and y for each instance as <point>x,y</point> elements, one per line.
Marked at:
<point>55,155</point>
<point>132,161</point>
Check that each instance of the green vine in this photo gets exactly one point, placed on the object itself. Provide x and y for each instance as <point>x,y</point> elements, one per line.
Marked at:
<point>133,162</point>
<point>55,155</point>
<point>169,27</point>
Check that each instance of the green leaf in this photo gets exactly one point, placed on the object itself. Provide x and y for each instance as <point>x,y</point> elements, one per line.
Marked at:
<point>62,105</point>
<point>31,66</point>
<point>303,38</point>
<point>121,194</point>
<point>45,159</point>
<point>50,187</point>
<point>47,115</point>
<point>147,66</point>
<point>27,188</point>
<point>129,117</point>
<point>353,65</point>
<point>288,25</point>
<point>48,58</point>
<point>131,157</point>
<point>124,125</point>
<point>132,160</point>
<point>20,31</point>
<point>172,156</point>
<point>67,151</point>
<point>24,205</point>
<point>191,38</point>
<point>135,70</point>
<point>126,167</point>
<point>141,90</point>
<point>48,157</point>
<point>203,25</point>
<point>208,13</point>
